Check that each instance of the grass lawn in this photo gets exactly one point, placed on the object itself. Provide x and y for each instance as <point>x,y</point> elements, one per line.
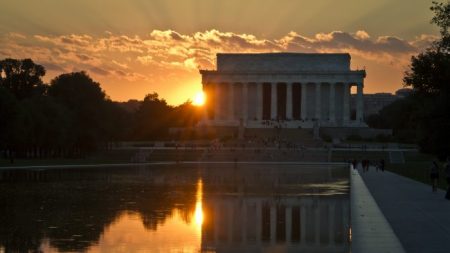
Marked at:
<point>417,166</point>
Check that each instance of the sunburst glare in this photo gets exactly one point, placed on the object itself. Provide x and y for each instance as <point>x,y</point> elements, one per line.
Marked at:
<point>199,99</point>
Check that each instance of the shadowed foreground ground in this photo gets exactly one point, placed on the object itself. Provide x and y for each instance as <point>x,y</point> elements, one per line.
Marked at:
<point>419,217</point>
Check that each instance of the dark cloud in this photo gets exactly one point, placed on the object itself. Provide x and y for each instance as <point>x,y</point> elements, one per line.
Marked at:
<point>84,57</point>
<point>99,71</point>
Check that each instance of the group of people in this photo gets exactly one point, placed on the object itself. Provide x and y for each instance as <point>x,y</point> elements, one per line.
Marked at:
<point>365,163</point>
<point>434,176</point>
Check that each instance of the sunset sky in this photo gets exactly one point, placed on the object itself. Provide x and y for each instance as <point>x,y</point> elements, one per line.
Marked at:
<point>135,47</point>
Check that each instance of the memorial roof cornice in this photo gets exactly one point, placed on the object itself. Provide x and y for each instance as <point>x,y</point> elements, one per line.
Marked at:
<point>216,72</point>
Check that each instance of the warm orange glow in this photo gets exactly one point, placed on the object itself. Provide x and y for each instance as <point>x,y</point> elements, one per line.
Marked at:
<point>129,234</point>
<point>199,99</point>
<point>198,213</point>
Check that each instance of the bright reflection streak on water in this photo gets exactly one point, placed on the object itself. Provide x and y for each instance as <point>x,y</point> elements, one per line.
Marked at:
<point>175,209</point>
<point>198,213</point>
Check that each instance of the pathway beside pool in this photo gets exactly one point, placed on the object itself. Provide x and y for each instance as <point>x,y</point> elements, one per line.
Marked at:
<point>419,217</point>
<point>371,232</point>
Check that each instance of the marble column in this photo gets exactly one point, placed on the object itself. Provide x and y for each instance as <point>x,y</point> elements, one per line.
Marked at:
<point>273,101</point>
<point>245,102</point>
<point>244,222</point>
<point>318,101</point>
<point>317,224</point>
<point>217,100</point>
<point>332,103</point>
<point>331,222</point>
<point>346,104</point>
<point>302,224</point>
<point>259,101</point>
<point>288,224</point>
<point>359,104</point>
<point>231,101</point>
<point>289,101</point>
<point>303,102</point>
<point>206,88</point>
<point>230,221</point>
<point>273,224</point>
<point>258,228</point>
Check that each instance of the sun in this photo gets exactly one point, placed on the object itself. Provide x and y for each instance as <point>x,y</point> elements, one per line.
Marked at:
<point>199,99</point>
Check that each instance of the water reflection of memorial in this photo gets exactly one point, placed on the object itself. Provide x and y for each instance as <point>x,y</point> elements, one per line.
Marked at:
<point>245,207</point>
<point>307,211</point>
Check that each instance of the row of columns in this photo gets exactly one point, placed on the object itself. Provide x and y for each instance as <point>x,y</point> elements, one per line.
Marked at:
<point>325,223</point>
<point>289,101</point>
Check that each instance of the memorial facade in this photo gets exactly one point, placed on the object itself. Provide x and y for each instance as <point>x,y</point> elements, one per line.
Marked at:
<point>288,89</point>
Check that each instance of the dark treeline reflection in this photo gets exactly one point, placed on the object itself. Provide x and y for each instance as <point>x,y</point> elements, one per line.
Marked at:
<point>71,208</point>
<point>58,204</point>
<point>72,116</point>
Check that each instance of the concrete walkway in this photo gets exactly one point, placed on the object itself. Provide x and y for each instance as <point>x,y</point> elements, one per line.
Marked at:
<point>419,217</point>
<point>371,232</point>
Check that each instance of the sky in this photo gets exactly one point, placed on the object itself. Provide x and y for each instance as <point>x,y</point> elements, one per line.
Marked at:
<point>136,47</point>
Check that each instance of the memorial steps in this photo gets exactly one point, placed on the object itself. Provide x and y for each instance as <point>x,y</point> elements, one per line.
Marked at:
<point>239,154</point>
<point>302,137</point>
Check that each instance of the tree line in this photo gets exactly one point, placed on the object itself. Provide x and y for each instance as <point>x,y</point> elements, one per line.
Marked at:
<point>424,117</point>
<point>72,116</point>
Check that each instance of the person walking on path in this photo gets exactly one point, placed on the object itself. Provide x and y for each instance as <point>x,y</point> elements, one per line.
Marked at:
<point>447,177</point>
<point>434,176</point>
<point>382,165</point>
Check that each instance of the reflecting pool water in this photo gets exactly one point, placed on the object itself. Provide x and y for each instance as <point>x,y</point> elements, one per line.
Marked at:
<point>176,208</point>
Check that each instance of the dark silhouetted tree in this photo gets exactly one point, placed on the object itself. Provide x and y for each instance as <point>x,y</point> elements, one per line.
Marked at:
<point>91,113</point>
<point>429,75</point>
<point>152,119</point>
<point>22,77</point>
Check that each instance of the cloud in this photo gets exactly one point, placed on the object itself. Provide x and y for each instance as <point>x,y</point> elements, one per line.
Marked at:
<point>164,57</point>
<point>146,59</point>
<point>99,71</point>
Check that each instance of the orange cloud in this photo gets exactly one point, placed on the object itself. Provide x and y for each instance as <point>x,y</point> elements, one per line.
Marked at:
<point>130,66</point>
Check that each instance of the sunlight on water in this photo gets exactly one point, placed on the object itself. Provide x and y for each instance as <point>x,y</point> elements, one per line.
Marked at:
<point>198,213</point>
<point>177,210</point>
<point>129,234</point>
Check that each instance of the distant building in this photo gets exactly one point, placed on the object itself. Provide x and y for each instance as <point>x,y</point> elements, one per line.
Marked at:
<point>403,93</point>
<point>373,103</point>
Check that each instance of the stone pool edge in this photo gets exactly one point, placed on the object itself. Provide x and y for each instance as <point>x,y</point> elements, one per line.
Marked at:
<point>66,166</point>
<point>370,230</point>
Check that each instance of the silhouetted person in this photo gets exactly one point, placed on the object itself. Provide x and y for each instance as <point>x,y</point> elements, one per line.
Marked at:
<point>382,164</point>
<point>11,156</point>
<point>447,177</point>
<point>434,176</point>
<point>365,164</point>
<point>354,163</point>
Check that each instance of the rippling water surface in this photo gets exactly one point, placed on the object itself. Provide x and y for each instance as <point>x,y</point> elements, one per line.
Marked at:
<point>176,208</point>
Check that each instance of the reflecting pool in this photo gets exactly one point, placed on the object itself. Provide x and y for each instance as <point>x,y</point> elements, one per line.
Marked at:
<point>176,208</point>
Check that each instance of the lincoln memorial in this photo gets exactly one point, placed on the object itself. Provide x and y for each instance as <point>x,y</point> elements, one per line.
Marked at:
<point>296,90</point>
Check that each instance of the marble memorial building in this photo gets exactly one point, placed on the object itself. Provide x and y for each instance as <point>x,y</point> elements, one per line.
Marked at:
<point>293,89</point>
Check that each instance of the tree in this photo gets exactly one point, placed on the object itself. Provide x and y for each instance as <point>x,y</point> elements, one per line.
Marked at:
<point>442,20</point>
<point>86,103</point>
<point>429,75</point>
<point>22,77</point>
<point>9,110</point>
<point>186,115</point>
<point>400,116</point>
<point>152,118</point>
